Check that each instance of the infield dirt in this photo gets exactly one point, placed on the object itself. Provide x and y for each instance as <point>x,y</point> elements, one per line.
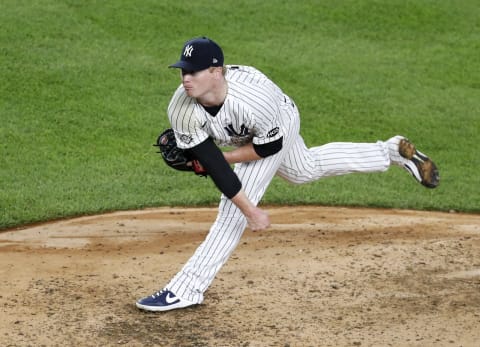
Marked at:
<point>320,276</point>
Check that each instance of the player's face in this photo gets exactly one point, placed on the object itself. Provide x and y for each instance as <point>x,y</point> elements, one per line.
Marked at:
<point>197,83</point>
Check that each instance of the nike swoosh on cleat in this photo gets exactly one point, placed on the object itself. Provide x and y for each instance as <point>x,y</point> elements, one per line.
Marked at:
<point>171,299</point>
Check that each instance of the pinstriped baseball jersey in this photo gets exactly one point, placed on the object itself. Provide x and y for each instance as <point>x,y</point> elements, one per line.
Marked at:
<point>249,112</point>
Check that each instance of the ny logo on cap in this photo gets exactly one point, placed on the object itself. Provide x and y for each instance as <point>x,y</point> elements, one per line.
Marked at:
<point>188,51</point>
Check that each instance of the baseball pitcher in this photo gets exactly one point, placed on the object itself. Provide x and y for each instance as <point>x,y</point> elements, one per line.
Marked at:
<point>238,106</point>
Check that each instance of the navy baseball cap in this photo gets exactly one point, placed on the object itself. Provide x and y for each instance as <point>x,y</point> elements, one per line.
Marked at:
<point>199,54</point>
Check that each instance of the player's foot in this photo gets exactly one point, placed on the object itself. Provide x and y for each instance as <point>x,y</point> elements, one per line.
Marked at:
<point>163,300</point>
<point>420,166</point>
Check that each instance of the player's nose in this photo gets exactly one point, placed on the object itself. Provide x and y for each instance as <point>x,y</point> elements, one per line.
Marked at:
<point>186,78</point>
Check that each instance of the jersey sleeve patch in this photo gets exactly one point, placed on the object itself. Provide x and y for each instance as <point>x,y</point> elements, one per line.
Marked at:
<point>273,132</point>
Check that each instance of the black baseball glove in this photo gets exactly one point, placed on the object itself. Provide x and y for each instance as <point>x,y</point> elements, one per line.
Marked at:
<point>176,157</point>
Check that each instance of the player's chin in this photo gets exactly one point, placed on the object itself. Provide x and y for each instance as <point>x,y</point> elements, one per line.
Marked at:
<point>190,92</point>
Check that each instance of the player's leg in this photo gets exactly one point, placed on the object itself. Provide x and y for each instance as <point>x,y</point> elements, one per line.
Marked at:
<point>304,164</point>
<point>189,284</point>
<point>200,270</point>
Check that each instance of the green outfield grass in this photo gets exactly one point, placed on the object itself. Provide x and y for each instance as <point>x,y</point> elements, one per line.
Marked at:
<point>85,86</point>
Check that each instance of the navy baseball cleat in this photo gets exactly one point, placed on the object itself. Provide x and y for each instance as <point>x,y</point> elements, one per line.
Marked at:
<point>419,165</point>
<point>163,300</point>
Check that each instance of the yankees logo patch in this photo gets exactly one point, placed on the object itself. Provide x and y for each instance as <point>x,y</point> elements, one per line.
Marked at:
<point>232,132</point>
<point>238,137</point>
<point>188,51</point>
<point>273,132</point>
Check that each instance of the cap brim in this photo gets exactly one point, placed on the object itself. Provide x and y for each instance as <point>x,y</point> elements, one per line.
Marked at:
<point>181,64</point>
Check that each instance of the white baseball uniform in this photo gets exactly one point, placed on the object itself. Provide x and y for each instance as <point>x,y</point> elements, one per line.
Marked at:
<point>255,110</point>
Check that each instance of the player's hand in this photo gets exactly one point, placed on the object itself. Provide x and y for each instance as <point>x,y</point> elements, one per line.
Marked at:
<point>258,219</point>
<point>197,167</point>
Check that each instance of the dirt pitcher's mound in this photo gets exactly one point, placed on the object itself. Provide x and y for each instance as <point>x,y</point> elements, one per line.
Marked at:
<point>319,276</point>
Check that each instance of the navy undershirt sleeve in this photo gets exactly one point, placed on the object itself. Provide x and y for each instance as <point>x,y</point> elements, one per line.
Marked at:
<point>212,159</point>
<point>268,149</point>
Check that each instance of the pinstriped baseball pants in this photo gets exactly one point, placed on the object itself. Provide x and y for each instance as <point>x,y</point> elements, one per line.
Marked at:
<point>295,163</point>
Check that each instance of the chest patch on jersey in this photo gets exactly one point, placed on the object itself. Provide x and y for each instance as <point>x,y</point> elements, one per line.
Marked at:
<point>238,137</point>
<point>232,132</point>
<point>273,132</point>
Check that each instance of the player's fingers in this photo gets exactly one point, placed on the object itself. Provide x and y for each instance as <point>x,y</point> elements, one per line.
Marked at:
<point>258,224</point>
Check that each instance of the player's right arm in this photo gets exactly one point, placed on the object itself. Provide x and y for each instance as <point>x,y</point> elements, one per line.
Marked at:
<point>213,160</point>
<point>256,217</point>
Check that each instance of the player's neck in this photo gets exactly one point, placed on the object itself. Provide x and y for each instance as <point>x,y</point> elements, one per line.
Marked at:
<point>216,96</point>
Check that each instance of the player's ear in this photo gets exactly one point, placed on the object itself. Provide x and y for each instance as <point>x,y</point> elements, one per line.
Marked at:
<point>217,71</point>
